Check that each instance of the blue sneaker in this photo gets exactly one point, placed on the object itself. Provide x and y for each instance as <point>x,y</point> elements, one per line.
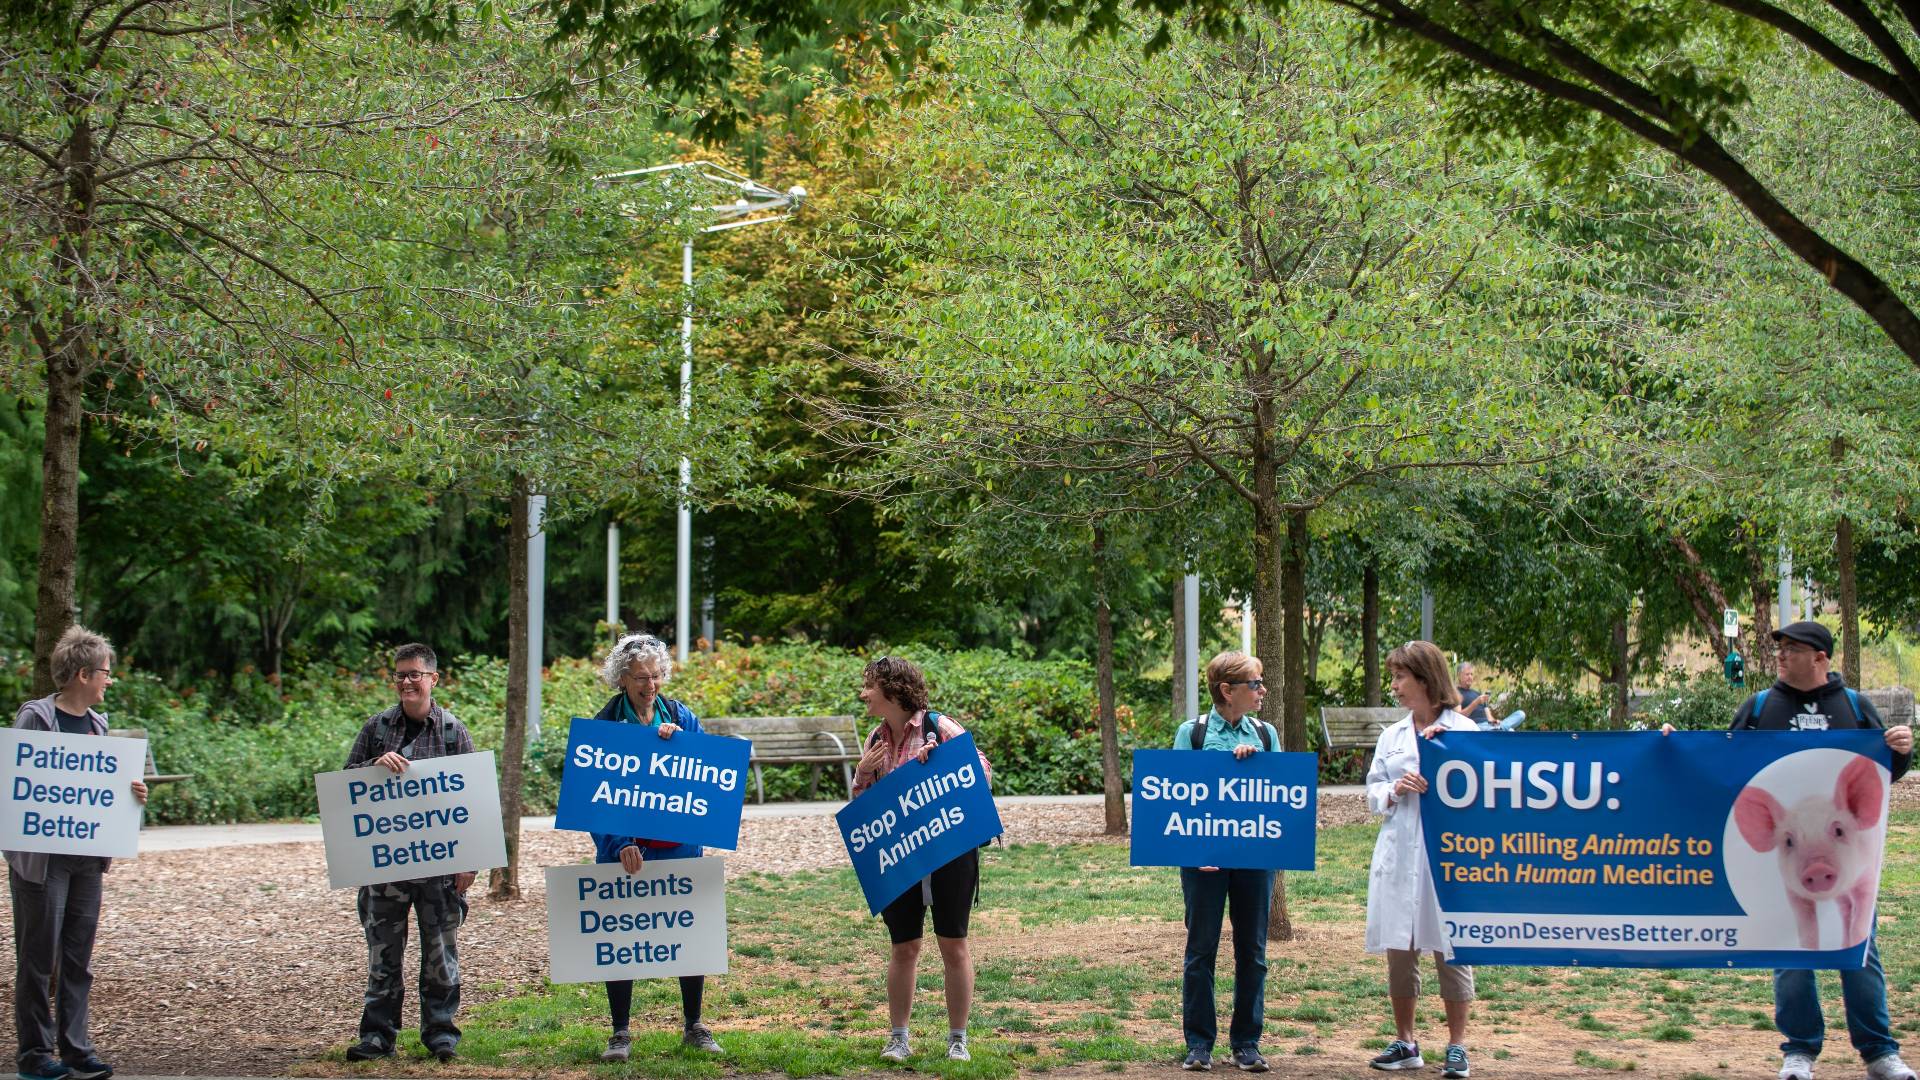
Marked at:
<point>1455,1065</point>
<point>91,1069</point>
<point>46,1070</point>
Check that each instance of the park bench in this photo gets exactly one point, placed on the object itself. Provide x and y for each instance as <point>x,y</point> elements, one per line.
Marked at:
<point>153,775</point>
<point>1349,728</point>
<point>815,741</point>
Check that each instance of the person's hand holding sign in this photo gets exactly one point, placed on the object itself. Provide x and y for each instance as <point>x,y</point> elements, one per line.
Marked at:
<point>140,791</point>
<point>392,762</point>
<point>920,755</point>
<point>1900,739</point>
<point>667,730</point>
<point>1244,751</point>
<point>631,859</point>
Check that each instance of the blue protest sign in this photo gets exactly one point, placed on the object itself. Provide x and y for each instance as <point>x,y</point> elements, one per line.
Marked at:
<point>918,818</point>
<point>1629,849</point>
<point>626,779</point>
<point>1209,808</point>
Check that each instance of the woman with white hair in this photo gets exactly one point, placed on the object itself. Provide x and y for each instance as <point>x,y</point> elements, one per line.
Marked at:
<point>637,668</point>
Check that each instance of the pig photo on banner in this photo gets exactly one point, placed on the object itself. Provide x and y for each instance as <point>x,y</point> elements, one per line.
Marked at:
<point>1696,849</point>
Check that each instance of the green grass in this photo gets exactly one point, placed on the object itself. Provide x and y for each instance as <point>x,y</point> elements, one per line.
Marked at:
<point>805,994</point>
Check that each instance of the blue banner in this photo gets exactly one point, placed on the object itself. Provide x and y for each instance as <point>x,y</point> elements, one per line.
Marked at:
<point>918,818</point>
<point>1630,849</point>
<point>1209,808</point>
<point>626,779</point>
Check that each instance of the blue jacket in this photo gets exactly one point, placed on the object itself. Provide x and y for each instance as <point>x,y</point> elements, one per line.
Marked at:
<point>606,846</point>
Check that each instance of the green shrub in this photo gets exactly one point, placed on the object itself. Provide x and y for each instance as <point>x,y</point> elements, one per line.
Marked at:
<point>253,748</point>
<point>1702,702</point>
<point>1558,707</point>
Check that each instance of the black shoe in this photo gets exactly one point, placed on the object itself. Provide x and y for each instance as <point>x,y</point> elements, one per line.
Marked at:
<point>90,1069</point>
<point>368,1050</point>
<point>443,1054</point>
<point>1198,1061</point>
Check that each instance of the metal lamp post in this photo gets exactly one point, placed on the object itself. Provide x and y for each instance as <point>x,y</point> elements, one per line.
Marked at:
<point>750,203</point>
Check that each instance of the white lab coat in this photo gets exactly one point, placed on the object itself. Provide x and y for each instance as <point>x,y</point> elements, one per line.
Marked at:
<point>1402,911</point>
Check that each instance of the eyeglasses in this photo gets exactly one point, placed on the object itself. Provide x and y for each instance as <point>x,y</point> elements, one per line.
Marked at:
<point>108,672</point>
<point>1787,648</point>
<point>646,676</point>
<point>404,677</point>
<point>1251,684</point>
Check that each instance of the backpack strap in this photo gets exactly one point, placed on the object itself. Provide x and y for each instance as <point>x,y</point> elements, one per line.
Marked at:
<point>1197,733</point>
<point>1759,704</point>
<point>1853,699</point>
<point>1266,735</point>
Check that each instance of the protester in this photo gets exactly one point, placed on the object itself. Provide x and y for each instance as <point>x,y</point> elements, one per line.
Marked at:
<point>895,692</point>
<point>56,898</point>
<point>411,730</point>
<point>1809,697</point>
<point>1403,915</point>
<point>637,667</point>
<point>1474,705</point>
<point>1211,893</point>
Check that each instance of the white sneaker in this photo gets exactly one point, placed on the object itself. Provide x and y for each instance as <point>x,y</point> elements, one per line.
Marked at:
<point>1889,1068</point>
<point>1796,1067</point>
<point>896,1049</point>
<point>957,1048</point>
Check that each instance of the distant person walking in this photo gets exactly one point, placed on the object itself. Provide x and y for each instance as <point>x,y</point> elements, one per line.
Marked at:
<point>1403,914</point>
<point>1212,894</point>
<point>411,730</point>
<point>637,667</point>
<point>56,898</point>
<point>895,692</point>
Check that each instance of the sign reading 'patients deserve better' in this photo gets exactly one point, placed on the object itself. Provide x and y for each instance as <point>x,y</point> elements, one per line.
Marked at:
<point>1209,808</point>
<point>918,818</point>
<point>669,919</point>
<point>70,794</point>
<point>627,780</point>
<point>1627,849</point>
<point>440,816</point>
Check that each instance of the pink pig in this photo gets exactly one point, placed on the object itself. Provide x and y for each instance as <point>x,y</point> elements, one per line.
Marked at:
<point>1827,849</point>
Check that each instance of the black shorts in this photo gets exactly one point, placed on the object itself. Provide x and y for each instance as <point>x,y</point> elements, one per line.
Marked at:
<point>955,886</point>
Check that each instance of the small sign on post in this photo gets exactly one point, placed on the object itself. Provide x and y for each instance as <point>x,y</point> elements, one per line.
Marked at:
<point>1730,623</point>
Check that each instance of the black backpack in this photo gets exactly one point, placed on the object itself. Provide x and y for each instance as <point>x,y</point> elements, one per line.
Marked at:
<point>1197,734</point>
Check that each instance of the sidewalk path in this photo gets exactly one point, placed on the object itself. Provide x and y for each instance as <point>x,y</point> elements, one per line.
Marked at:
<point>200,837</point>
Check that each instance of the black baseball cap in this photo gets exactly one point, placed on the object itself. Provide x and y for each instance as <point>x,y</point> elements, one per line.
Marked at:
<point>1807,632</point>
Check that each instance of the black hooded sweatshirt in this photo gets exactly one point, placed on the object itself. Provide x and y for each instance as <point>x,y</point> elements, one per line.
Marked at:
<point>1820,709</point>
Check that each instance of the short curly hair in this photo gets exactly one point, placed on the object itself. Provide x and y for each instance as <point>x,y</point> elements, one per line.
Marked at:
<point>901,680</point>
<point>78,650</point>
<point>643,647</point>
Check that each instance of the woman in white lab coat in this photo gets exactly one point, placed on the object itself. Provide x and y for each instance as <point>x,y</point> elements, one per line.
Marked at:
<point>1403,915</point>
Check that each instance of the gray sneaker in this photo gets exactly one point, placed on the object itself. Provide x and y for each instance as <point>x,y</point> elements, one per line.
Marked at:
<point>619,1047</point>
<point>1889,1067</point>
<point>896,1048</point>
<point>1796,1066</point>
<point>957,1048</point>
<point>699,1038</point>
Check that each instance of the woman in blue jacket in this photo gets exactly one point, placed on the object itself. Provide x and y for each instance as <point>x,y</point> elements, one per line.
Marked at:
<point>638,665</point>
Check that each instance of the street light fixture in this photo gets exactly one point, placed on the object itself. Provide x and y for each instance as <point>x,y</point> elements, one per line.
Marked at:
<point>739,201</point>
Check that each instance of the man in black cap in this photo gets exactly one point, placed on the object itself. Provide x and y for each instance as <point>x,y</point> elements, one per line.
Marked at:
<point>1809,697</point>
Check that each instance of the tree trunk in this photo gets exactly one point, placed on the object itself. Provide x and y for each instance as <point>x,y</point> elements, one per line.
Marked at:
<point>1293,647</point>
<point>69,356</point>
<point>59,515</point>
<point>1761,666</point>
<point>1370,633</point>
<point>1110,782</point>
<point>1621,676</point>
<point>504,883</point>
<point>1849,603</point>
<point>1703,594</point>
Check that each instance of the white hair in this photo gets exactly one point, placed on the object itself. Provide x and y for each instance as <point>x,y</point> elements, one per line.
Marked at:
<point>643,647</point>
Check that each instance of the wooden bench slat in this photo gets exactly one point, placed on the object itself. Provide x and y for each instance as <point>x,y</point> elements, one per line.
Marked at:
<point>153,775</point>
<point>1355,727</point>
<point>813,741</point>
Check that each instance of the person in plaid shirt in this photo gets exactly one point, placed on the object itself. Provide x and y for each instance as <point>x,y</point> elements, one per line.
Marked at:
<point>414,728</point>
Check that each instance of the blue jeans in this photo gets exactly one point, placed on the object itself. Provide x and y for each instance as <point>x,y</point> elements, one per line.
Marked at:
<point>1210,895</point>
<point>1796,1010</point>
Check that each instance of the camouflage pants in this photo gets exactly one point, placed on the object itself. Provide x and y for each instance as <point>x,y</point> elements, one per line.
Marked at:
<point>383,915</point>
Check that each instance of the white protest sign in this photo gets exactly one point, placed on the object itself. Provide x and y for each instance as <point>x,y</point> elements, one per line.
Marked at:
<point>669,919</point>
<point>440,816</point>
<point>70,794</point>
